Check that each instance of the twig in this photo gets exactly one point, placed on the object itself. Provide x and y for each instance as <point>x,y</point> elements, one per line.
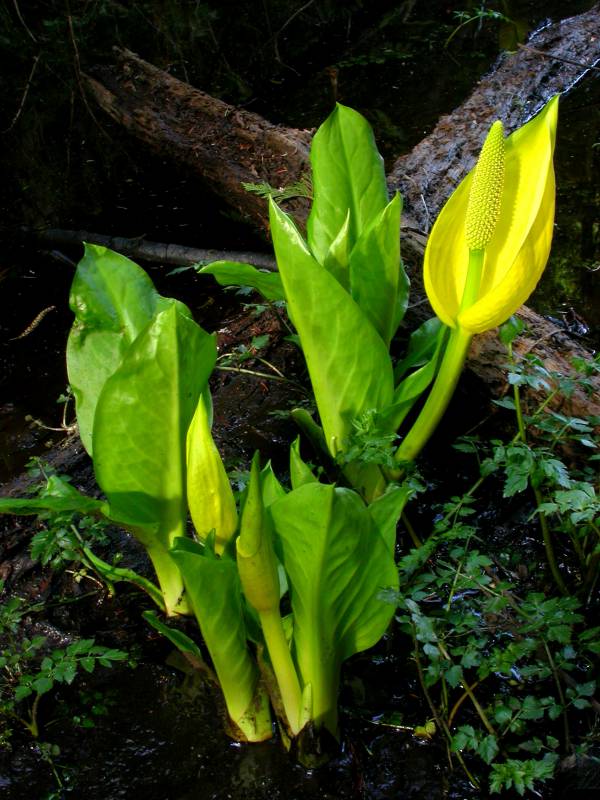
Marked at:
<point>559,58</point>
<point>546,533</point>
<point>30,328</point>
<point>22,21</point>
<point>440,722</point>
<point>78,72</point>
<point>411,531</point>
<point>459,703</point>
<point>283,27</point>
<point>263,375</point>
<point>561,695</point>
<point>15,119</point>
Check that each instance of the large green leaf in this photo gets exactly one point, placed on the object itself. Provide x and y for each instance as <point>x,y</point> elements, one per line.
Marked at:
<point>210,499</point>
<point>337,564</point>
<point>300,472</point>
<point>214,591</point>
<point>113,300</point>
<point>230,273</point>
<point>347,360</point>
<point>378,282</point>
<point>141,421</point>
<point>348,174</point>
<point>337,259</point>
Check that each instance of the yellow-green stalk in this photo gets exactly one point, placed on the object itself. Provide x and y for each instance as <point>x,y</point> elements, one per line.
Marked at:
<point>257,567</point>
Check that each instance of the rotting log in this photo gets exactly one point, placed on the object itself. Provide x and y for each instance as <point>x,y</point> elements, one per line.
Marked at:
<point>223,145</point>
<point>226,146</point>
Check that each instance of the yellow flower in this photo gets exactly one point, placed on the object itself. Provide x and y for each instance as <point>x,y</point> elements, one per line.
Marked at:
<point>500,218</point>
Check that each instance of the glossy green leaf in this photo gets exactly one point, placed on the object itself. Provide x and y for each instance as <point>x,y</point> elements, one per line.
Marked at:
<point>347,360</point>
<point>143,415</point>
<point>256,562</point>
<point>411,388</point>
<point>210,498</point>
<point>113,300</point>
<point>337,563</point>
<point>378,282</point>
<point>141,422</point>
<point>312,431</point>
<point>348,174</point>
<point>213,587</point>
<point>421,346</point>
<point>337,259</point>
<point>271,487</point>
<point>230,273</point>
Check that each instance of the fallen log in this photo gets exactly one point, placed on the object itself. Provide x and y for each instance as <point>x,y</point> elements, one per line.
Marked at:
<point>226,146</point>
<point>219,143</point>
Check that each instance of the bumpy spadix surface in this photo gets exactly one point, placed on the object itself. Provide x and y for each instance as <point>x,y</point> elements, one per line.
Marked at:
<point>483,208</point>
<point>518,246</point>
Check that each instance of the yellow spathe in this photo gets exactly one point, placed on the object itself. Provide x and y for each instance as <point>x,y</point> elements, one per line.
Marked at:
<point>210,499</point>
<point>517,250</point>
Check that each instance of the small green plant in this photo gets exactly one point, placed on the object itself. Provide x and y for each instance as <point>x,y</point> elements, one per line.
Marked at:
<point>510,671</point>
<point>510,675</point>
<point>477,15</point>
<point>566,501</point>
<point>302,188</point>
<point>30,668</point>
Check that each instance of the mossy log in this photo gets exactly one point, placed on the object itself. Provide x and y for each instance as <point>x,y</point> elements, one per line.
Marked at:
<point>226,146</point>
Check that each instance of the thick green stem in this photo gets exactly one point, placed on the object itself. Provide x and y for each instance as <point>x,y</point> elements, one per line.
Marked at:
<point>450,369</point>
<point>473,282</point>
<point>283,667</point>
<point>439,397</point>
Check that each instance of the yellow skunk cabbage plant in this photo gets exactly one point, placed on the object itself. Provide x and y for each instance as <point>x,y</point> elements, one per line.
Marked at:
<point>346,290</point>
<point>488,249</point>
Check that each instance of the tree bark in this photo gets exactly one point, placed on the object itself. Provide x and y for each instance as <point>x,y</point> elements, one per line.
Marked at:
<point>226,146</point>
